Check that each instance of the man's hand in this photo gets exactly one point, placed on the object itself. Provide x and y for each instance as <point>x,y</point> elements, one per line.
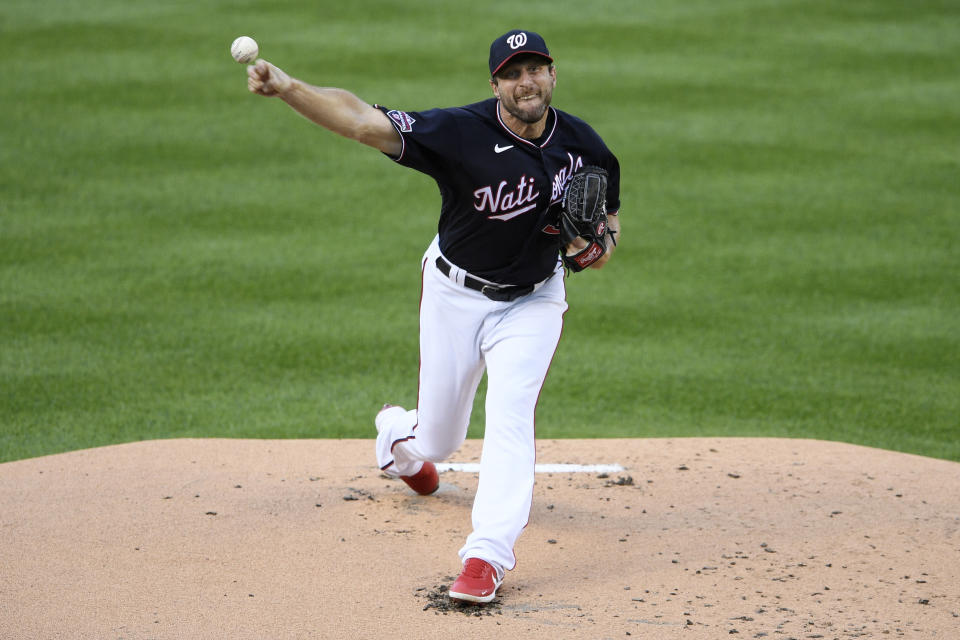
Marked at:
<point>267,80</point>
<point>583,216</point>
<point>610,238</point>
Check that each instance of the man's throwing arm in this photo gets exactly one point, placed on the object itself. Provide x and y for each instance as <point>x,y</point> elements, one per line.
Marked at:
<point>335,109</point>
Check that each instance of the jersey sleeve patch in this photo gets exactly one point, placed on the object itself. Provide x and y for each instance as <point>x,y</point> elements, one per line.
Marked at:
<point>402,119</point>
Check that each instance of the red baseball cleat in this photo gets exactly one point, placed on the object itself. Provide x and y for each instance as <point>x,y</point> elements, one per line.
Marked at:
<point>478,582</point>
<point>425,481</point>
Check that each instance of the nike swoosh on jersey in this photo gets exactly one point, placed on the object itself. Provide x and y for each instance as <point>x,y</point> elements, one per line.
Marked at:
<point>498,149</point>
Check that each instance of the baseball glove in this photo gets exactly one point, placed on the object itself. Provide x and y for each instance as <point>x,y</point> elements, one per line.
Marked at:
<point>584,215</point>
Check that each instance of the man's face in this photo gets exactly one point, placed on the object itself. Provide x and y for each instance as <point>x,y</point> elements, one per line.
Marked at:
<point>525,87</point>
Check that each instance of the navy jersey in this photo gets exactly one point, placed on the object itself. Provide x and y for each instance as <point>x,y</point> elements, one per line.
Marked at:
<point>500,193</point>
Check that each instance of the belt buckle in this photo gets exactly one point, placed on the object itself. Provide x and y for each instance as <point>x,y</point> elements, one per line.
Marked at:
<point>504,293</point>
<point>491,291</point>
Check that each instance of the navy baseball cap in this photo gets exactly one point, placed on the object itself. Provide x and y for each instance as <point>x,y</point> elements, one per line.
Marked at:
<point>513,43</point>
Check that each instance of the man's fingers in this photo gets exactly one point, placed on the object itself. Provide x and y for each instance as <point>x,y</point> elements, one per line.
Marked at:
<point>259,70</point>
<point>258,77</point>
<point>264,68</point>
<point>265,79</point>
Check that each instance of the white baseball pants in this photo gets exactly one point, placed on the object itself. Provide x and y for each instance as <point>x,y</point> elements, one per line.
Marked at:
<point>462,333</point>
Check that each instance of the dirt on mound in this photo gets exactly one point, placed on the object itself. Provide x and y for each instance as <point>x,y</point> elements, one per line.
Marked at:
<point>695,538</point>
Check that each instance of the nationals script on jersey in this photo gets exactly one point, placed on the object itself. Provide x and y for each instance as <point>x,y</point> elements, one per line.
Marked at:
<point>500,193</point>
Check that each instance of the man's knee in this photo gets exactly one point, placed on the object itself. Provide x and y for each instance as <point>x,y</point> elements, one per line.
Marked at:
<point>437,451</point>
<point>438,441</point>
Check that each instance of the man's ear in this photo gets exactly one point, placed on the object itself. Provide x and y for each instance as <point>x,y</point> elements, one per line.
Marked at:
<point>495,88</point>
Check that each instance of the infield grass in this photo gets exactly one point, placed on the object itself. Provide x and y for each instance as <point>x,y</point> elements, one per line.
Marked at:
<point>180,258</point>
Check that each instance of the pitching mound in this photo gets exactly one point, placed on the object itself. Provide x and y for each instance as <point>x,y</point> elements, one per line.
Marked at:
<point>695,538</point>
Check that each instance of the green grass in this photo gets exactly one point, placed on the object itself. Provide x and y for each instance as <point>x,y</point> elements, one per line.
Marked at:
<point>179,258</point>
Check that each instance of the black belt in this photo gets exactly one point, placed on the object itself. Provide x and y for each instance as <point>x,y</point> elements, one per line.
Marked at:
<point>498,292</point>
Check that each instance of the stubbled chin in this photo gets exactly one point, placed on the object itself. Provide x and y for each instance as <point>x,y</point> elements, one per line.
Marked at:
<point>529,112</point>
<point>532,113</point>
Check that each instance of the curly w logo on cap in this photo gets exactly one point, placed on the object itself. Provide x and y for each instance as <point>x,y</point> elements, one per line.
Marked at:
<point>513,43</point>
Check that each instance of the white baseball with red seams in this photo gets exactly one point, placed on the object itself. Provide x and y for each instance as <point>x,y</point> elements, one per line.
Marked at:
<point>515,342</point>
<point>244,49</point>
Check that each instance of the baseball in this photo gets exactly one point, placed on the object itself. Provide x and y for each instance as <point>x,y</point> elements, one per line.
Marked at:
<point>244,49</point>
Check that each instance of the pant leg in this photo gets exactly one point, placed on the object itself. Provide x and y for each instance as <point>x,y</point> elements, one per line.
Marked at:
<point>518,349</point>
<point>451,366</point>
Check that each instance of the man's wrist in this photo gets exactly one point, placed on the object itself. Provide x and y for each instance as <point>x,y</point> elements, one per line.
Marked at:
<point>291,89</point>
